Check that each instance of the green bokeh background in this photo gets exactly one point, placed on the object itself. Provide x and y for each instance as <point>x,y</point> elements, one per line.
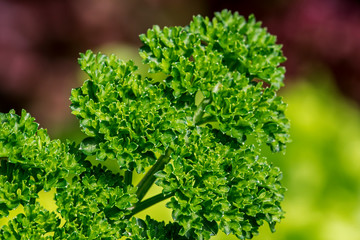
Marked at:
<point>320,168</point>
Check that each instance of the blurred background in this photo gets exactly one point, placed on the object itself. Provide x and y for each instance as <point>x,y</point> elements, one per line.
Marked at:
<point>40,42</point>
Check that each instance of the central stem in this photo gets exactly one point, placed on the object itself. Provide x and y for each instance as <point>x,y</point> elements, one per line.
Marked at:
<point>146,182</point>
<point>148,203</point>
<point>149,178</point>
<point>128,177</point>
<point>200,111</point>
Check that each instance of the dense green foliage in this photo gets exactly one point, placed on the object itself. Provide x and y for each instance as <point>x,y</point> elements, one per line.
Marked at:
<point>200,130</point>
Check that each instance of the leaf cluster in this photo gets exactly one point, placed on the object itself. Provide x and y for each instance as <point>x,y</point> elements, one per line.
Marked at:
<point>200,130</point>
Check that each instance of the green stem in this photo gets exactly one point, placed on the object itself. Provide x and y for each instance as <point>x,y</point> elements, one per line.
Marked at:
<point>207,119</point>
<point>146,182</point>
<point>148,203</point>
<point>200,111</point>
<point>128,177</point>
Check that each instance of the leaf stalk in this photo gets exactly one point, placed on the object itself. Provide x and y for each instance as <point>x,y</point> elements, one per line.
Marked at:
<point>128,177</point>
<point>146,182</point>
<point>200,111</point>
<point>148,203</point>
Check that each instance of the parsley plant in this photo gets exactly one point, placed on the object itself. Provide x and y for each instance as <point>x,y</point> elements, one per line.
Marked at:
<point>199,131</point>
